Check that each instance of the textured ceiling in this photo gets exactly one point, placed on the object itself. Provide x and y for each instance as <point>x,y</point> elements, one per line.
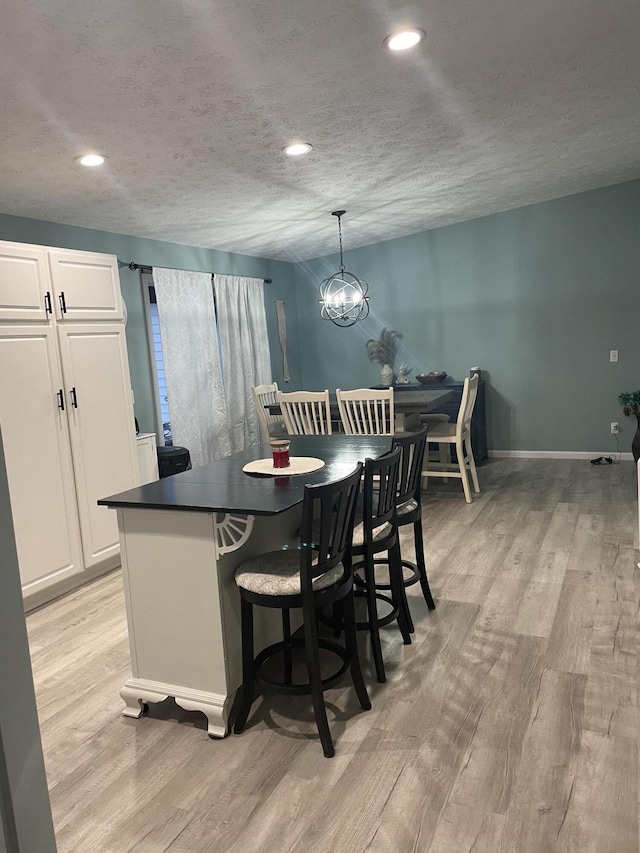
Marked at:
<point>505,103</point>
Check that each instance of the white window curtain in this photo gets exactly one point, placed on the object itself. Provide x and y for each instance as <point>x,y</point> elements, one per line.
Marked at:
<point>192,363</point>
<point>246,359</point>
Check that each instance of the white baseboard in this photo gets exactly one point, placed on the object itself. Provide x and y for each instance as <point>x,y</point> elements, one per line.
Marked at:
<point>558,454</point>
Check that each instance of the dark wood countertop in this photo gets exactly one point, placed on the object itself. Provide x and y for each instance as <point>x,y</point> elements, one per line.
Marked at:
<point>222,486</point>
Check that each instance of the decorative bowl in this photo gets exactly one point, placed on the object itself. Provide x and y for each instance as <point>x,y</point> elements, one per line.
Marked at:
<point>431,378</point>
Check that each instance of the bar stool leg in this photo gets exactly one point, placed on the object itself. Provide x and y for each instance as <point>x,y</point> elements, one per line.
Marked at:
<point>287,673</point>
<point>422,566</point>
<point>248,680</point>
<point>351,642</point>
<point>398,593</point>
<point>372,610</point>
<point>315,681</point>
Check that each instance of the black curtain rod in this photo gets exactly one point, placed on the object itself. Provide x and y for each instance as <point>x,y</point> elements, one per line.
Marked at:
<point>143,268</point>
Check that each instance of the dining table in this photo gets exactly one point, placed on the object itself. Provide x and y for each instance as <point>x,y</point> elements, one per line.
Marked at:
<point>182,539</point>
<point>409,403</point>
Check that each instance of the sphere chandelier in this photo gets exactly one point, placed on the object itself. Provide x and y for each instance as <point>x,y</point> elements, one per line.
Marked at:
<point>343,295</point>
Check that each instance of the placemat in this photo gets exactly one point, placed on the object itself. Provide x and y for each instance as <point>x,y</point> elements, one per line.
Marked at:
<point>298,465</point>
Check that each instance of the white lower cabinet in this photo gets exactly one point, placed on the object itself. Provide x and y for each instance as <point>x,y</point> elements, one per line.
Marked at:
<point>35,435</point>
<point>147,457</point>
<point>66,415</point>
<point>102,429</point>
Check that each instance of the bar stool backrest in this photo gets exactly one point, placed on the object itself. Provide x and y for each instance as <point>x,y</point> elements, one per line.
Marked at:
<point>328,512</point>
<point>411,446</point>
<point>380,483</point>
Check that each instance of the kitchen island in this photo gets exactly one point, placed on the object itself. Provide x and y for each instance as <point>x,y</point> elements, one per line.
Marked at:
<point>182,539</point>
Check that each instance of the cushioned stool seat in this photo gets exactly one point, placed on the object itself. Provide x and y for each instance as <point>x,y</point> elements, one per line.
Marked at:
<point>407,507</point>
<point>278,573</point>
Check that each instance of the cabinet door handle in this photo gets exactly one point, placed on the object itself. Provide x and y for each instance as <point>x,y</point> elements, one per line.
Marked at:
<point>74,398</point>
<point>47,302</point>
<point>60,396</point>
<point>63,304</point>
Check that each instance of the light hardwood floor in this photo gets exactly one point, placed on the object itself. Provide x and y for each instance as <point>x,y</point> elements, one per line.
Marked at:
<point>510,724</point>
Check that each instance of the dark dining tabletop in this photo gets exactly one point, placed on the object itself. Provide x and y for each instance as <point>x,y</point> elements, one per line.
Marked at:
<point>223,486</point>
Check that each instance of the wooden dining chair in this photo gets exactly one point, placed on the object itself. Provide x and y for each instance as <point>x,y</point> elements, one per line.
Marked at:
<point>263,396</point>
<point>429,420</point>
<point>317,574</point>
<point>458,435</point>
<point>366,411</point>
<point>306,412</point>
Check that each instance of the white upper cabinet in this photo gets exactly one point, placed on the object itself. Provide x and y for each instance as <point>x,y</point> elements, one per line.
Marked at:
<point>25,293</point>
<point>37,283</point>
<point>86,286</point>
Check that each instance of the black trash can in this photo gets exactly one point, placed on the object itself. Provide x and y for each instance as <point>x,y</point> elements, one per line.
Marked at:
<point>173,460</point>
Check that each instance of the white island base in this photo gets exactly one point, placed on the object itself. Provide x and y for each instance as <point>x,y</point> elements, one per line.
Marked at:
<point>183,607</point>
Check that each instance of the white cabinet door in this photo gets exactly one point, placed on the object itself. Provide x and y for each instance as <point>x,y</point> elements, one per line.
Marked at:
<point>38,460</point>
<point>86,286</point>
<point>24,282</point>
<point>102,428</point>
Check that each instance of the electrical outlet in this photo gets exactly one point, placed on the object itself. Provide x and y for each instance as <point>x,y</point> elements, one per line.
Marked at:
<point>615,427</point>
<point>613,355</point>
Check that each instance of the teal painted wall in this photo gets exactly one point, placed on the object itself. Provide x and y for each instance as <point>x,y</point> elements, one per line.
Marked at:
<point>157,253</point>
<point>536,297</point>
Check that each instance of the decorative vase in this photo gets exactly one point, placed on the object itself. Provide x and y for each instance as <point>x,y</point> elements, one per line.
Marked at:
<point>635,444</point>
<point>386,374</point>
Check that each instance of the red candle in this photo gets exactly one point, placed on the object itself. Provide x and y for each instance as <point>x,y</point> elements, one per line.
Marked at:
<point>280,453</point>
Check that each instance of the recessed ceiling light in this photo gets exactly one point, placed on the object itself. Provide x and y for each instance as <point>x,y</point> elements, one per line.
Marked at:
<point>404,40</point>
<point>297,148</point>
<point>91,160</point>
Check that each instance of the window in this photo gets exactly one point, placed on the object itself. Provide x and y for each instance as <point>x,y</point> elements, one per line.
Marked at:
<point>162,400</point>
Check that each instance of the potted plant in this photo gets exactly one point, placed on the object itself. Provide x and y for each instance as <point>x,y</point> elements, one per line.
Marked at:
<point>383,350</point>
<point>630,402</point>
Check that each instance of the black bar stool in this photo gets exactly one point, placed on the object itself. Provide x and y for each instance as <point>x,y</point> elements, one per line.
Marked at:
<point>409,511</point>
<point>377,533</point>
<point>408,504</point>
<point>316,575</point>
